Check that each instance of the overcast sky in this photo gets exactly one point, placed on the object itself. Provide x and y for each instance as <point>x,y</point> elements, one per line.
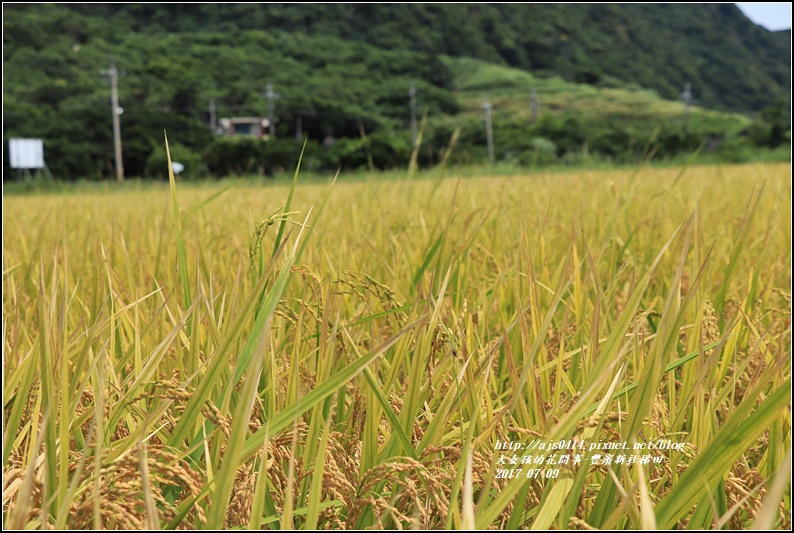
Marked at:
<point>771,15</point>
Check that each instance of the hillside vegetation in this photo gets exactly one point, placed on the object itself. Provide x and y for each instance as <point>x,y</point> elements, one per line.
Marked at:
<point>734,63</point>
<point>348,81</point>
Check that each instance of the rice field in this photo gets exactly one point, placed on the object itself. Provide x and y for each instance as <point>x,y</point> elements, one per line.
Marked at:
<point>400,353</point>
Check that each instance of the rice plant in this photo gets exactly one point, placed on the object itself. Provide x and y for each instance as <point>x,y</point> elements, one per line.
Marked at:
<point>388,354</point>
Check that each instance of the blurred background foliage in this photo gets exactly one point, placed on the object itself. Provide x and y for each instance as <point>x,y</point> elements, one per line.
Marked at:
<point>608,80</point>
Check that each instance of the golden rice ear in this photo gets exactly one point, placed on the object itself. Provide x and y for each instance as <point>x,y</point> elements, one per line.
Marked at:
<point>411,366</point>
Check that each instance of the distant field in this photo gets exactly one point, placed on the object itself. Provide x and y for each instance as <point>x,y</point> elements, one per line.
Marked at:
<point>369,372</point>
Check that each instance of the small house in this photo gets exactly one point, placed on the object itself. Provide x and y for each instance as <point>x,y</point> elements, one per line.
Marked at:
<point>255,127</point>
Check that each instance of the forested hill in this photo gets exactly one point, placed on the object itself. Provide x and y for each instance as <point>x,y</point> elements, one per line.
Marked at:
<point>734,64</point>
<point>567,84</point>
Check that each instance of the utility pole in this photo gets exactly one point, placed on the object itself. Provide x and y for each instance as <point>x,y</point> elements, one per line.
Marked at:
<point>213,122</point>
<point>534,106</point>
<point>271,109</point>
<point>412,96</point>
<point>688,99</point>
<point>486,106</point>
<point>116,111</point>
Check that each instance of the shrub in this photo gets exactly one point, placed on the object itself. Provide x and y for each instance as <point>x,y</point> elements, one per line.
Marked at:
<point>542,152</point>
<point>157,162</point>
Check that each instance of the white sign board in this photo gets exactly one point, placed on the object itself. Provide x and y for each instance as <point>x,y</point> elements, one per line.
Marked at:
<point>26,153</point>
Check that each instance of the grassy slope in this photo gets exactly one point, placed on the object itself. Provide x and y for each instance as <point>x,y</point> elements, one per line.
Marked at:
<point>509,91</point>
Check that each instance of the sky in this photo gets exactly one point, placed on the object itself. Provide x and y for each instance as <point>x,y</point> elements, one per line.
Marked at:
<point>771,15</point>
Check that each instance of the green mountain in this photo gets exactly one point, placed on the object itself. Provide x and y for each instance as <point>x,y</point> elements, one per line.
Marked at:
<point>732,63</point>
<point>343,70</point>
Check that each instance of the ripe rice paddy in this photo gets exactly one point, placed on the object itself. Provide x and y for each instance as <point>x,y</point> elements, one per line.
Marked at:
<point>360,355</point>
